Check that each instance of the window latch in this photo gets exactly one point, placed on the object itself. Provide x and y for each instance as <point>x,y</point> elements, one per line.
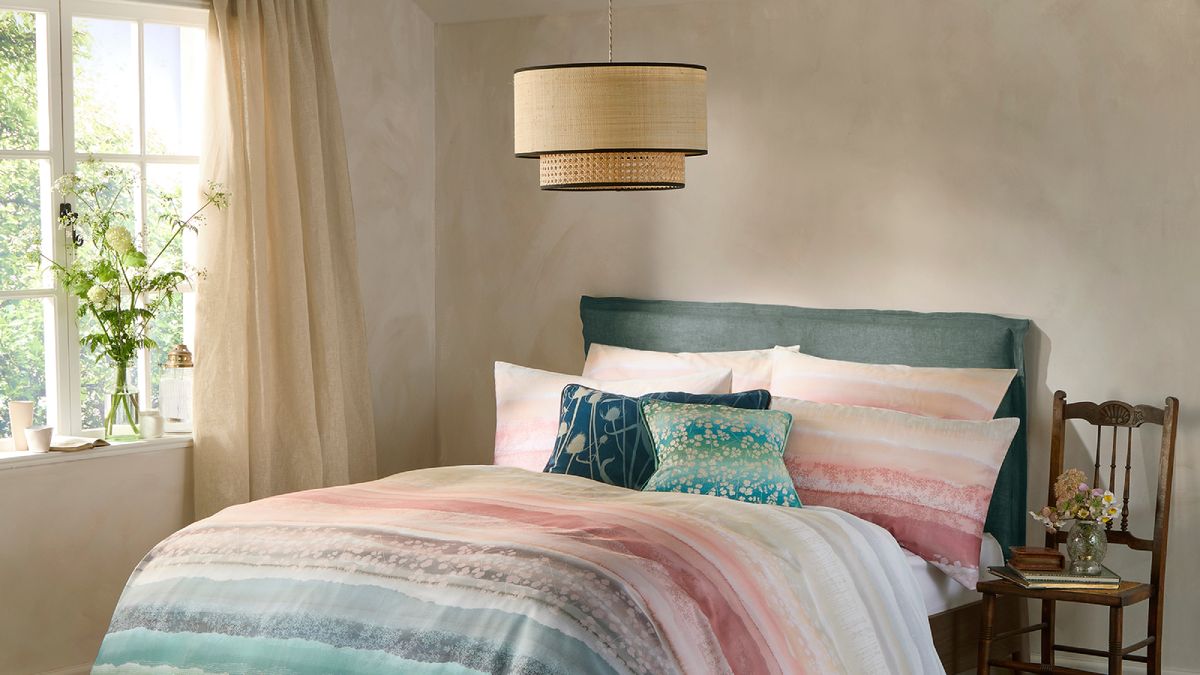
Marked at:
<point>68,217</point>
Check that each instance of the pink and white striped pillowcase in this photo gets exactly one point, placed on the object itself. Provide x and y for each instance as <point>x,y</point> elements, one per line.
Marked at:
<point>528,401</point>
<point>948,393</point>
<point>928,481</point>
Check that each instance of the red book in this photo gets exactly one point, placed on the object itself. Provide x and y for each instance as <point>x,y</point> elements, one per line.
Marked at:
<point>1030,565</point>
<point>1036,559</point>
<point>1030,552</point>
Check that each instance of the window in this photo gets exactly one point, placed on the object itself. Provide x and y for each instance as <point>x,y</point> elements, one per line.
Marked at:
<point>120,82</point>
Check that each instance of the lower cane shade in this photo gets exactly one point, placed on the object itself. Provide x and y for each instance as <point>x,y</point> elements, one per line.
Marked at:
<point>610,126</point>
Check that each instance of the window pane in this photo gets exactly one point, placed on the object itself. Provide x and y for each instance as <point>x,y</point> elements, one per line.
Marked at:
<point>120,189</point>
<point>23,81</point>
<point>172,193</point>
<point>174,86</point>
<point>168,331</point>
<point>105,53</point>
<point>97,378</point>
<point>23,337</point>
<point>26,224</point>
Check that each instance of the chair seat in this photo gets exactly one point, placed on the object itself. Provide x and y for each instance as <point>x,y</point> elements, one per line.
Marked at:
<point>1128,593</point>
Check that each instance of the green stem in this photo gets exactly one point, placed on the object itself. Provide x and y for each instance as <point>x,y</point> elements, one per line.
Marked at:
<point>182,224</point>
<point>120,399</point>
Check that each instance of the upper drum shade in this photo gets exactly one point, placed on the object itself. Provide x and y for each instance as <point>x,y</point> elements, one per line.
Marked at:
<point>597,126</point>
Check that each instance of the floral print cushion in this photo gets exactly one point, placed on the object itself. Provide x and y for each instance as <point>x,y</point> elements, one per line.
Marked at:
<point>600,435</point>
<point>721,451</point>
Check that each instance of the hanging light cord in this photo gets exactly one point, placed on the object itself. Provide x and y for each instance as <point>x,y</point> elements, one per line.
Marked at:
<point>610,31</point>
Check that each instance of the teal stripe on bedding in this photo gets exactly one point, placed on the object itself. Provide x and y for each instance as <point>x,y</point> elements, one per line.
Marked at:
<point>212,653</point>
<point>364,616</point>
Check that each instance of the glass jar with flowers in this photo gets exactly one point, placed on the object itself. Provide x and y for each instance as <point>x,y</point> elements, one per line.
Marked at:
<point>118,279</point>
<point>1088,511</point>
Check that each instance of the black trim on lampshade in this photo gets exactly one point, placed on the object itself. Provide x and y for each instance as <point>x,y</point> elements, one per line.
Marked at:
<point>611,187</point>
<point>688,152</point>
<point>606,64</point>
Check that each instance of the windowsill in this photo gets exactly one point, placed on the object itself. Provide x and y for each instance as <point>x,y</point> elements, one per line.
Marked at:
<point>11,459</point>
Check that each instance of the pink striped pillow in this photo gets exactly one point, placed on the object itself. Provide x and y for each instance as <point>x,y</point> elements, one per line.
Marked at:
<point>928,481</point>
<point>751,368</point>
<point>949,393</point>
<point>528,401</point>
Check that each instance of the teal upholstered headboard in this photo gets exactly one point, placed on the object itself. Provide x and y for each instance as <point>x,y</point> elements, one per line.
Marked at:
<point>864,335</point>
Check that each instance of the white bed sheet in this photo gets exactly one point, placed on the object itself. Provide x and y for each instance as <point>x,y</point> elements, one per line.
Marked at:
<point>940,591</point>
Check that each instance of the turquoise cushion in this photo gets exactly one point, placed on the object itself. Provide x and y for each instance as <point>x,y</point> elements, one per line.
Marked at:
<point>722,451</point>
<point>600,436</point>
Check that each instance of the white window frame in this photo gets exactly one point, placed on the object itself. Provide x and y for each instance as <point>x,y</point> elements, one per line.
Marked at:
<point>62,349</point>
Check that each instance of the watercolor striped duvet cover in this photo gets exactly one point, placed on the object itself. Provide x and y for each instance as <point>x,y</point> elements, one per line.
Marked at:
<point>494,569</point>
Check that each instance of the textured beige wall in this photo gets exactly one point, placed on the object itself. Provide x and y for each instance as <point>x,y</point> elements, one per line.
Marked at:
<point>383,64</point>
<point>1030,158</point>
<point>70,534</point>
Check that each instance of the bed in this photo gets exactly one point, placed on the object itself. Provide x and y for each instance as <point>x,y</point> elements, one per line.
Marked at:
<point>493,569</point>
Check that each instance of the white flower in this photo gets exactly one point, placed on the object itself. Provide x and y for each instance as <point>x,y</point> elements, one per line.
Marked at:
<point>119,239</point>
<point>97,295</point>
<point>66,184</point>
<point>216,194</point>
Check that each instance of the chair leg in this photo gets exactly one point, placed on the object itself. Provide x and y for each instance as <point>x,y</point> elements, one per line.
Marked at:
<point>1116,618</point>
<point>1154,629</point>
<point>985,634</point>
<point>1021,655</point>
<point>1048,633</point>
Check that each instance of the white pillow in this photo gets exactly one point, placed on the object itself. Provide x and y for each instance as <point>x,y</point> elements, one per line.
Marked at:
<point>751,368</point>
<point>528,403</point>
<point>948,393</point>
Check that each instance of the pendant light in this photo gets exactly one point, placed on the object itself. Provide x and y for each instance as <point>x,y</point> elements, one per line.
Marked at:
<point>610,126</point>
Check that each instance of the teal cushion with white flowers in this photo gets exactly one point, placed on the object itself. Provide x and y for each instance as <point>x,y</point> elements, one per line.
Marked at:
<point>721,451</point>
<point>601,437</point>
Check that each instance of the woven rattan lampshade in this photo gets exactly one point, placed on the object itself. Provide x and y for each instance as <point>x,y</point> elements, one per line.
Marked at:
<point>611,126</point>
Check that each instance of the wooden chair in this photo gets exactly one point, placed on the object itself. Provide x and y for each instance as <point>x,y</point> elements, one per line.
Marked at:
<point>1114,415</point>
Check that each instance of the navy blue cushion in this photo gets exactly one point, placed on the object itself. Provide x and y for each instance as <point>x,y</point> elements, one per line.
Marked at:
<point>601,435</point>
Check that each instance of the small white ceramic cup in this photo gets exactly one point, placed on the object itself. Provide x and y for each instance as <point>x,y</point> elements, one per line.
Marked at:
<point>39,438</point>
<point>20,418</point>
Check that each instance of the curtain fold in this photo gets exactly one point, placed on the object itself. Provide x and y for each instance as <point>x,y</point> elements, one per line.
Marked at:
<point>282,395</point>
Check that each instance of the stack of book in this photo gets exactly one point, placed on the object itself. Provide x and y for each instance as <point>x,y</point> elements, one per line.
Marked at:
<point>1035,559</point>
<point>1107,580</point>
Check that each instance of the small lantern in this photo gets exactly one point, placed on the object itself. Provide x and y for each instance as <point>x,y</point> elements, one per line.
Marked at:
<point>175,391</point>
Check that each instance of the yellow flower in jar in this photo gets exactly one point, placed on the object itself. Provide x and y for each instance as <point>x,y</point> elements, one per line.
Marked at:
<point>1082,513</point>
<point>1108,498</point>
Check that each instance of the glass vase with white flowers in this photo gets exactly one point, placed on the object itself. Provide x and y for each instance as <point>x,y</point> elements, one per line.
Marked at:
<point>119,280</point>
<point>1088,511</point>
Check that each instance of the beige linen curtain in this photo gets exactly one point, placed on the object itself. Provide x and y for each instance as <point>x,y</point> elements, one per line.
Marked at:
<point>282,398</point>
